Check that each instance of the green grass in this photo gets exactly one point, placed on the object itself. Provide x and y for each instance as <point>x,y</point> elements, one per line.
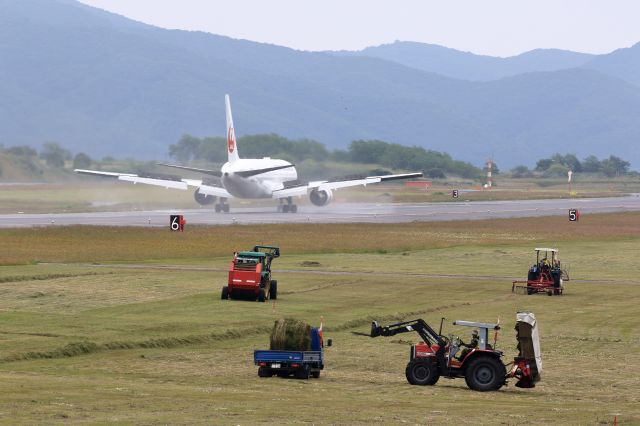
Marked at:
<point>116,343</point>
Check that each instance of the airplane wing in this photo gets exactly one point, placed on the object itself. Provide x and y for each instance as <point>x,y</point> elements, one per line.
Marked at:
<point>165,181</point>
<point>328,185</point>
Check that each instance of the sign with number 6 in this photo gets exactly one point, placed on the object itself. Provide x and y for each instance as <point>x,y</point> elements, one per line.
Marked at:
<point>176,222</point>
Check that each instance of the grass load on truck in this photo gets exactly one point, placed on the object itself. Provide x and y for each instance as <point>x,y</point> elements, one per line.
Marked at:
<point>295,349</point>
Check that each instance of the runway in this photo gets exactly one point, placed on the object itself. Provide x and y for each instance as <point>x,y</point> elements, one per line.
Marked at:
<point>337,213</point>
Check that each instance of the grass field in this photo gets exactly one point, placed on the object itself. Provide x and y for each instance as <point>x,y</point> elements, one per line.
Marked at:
<point>106,325</point>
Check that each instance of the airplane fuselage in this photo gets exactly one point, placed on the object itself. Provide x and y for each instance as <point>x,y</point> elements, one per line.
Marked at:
<point>258,186</point>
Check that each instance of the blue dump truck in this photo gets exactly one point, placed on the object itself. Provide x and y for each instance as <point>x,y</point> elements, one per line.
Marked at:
<point>301,364</point>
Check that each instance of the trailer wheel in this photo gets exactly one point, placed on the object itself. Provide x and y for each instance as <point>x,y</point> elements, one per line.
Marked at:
<point>422,372</point>
<point>302,373</point>
<point>283,373</point>
<point>315,374</point>
<point>485,373</point>
<point>261,297</point>
<point>264,372</point>
<point>225,293</point>
<point>273,290</point>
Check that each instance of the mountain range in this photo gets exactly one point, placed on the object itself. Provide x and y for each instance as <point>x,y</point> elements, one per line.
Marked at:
<point>106,85</point>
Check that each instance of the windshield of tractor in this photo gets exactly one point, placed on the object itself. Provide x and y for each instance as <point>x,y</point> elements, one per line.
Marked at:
<point>248,259</point>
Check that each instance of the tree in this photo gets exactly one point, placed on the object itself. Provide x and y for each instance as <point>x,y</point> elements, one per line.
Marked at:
<point>435,174</point>
<point>81,161</point>
<point>591,164</point>
<point>572,162</point>
<point>519,172</point>
<point>614,166</point>
<point>185,150</point>
<point>22,151</point>
<point>54,155</point>
<point>543,164</point>
<point>556,170</point>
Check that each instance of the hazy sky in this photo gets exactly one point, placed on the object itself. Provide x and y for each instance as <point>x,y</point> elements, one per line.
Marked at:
<point>493,27</point>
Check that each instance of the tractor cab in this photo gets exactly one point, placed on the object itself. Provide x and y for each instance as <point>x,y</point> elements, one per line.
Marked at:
<point>546,258</point>
<point>545,275</point>
<point>479,341</point>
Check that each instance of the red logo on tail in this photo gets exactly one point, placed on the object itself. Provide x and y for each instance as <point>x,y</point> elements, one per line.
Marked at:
<point>231,140</point>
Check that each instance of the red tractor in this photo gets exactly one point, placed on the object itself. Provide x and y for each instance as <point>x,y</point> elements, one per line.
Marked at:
<point>250,275</point>
<point>545,276</point>
<point>479,363</point>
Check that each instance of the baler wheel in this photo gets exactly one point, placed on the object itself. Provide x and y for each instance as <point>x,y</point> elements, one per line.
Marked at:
<point>273,290</point>
<point>261,297</point>
<point>225,293</point>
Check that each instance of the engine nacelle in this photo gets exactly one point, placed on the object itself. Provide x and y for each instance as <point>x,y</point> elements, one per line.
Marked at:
<point>204,199</point>
<point>320,197</point>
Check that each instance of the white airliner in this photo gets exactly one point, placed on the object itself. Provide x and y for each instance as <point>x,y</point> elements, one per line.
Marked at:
<point>251,178</point>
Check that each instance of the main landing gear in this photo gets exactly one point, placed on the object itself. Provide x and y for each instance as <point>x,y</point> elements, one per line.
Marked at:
<point>222,206</point>
<point>289,207</point>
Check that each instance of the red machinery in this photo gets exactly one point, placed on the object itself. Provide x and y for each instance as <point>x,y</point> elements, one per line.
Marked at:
<point>480,364</point>
<point>545,276</point>
<point>250,275</point>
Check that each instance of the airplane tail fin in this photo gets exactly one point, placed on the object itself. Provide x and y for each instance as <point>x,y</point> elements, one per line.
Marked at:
<point>232,147</point>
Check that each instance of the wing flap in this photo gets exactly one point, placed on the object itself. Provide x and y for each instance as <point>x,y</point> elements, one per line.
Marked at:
<point>156,182</point>
<point>321,185</point>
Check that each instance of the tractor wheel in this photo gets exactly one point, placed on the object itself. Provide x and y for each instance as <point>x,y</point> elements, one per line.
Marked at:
<point>422,372</point>
<point>261,297</point>
<point>485,373</point>
<point>303,373</point>
<point>225,293</point>
<point>293,208</point>
<point>264,372</point>
<point>273,290</point>
<point>315,374</point>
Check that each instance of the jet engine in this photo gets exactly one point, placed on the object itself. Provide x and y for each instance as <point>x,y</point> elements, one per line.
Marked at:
<point>204,199</point>
<point>321,197</point>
